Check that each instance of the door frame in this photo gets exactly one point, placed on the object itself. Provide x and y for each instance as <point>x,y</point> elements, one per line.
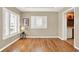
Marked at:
<point>65,23</point>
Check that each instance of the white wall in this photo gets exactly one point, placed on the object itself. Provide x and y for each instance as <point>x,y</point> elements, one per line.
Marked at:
<point>0,23</point>
<point>76,21</point>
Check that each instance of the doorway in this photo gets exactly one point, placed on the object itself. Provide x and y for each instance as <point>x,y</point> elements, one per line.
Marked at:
<point>70,26</point>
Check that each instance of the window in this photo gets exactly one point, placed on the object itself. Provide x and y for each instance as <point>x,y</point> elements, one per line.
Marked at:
<point>38,22</point>
<point>13,23</point>
<point>10,23</point>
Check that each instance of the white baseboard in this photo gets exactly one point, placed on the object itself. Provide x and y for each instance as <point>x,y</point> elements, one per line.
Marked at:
<point>60,37</point>
<point>76,47</point>
<point>9,44</point>
<point>41,36</point>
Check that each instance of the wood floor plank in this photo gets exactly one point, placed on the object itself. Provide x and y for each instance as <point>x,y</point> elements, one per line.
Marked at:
<point>40,45</point>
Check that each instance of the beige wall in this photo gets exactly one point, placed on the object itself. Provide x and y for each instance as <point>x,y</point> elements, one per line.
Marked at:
<point>60,25</point>
<point>3,43</point>
<point>52,23</point>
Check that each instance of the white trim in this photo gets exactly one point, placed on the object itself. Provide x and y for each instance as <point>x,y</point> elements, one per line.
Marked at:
<point>60,37</point>
<point>68,9</point>
<point>9,44</point>
<point>75,30</point>
<point>9,36</point>
<point>41,36</point>
<point>65,23</point>
<point>76,47</point>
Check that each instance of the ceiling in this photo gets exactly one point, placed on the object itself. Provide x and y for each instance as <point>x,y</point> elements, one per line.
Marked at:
<point>39,9</point>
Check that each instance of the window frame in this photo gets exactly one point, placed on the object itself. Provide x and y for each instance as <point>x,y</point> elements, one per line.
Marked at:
<point>18,23</point>
<point>44,26</point>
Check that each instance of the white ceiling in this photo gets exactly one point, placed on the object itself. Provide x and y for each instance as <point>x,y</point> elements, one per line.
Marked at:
<point>39,9</point>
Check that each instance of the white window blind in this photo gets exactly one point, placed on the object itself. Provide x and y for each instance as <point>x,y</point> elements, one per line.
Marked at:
<point>38,22</point>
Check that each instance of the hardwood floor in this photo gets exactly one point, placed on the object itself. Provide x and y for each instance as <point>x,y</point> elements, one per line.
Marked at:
<point>40,45</point>
<point>70,41</point>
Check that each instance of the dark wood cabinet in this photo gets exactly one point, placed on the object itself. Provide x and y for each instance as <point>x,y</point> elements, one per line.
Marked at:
<point>70,23</point>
